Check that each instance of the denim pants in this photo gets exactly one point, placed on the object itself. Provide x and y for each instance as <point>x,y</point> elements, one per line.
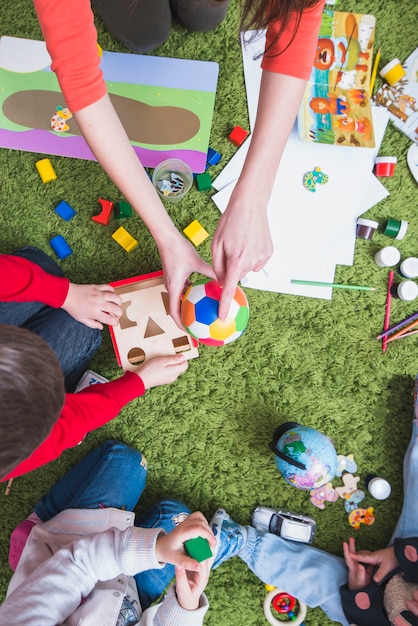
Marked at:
<point>314,576</point>
<point>73,343</point>
<point>114,475</point>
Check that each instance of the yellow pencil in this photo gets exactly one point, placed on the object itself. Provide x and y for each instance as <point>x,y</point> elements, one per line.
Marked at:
<point>374,71</point>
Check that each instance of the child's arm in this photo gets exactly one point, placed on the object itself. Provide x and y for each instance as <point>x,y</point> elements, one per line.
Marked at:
<point>95,406</point>
<point>72,573</point>
<point>22,280</point>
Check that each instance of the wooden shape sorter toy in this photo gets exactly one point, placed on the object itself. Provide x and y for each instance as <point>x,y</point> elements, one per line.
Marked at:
<point>146,329</point>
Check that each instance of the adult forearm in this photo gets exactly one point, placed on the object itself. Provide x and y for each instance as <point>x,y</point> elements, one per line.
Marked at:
<point>278,104</point>
<point>109,143</point>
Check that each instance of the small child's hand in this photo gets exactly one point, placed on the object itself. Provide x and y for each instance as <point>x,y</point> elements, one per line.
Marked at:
<point>191,585</point>
<point>359,576</point>
<point>170,547</point>
<point>412,605</point>
<point>93,305</point>
<point>384,560</point>
<point>162,370</point>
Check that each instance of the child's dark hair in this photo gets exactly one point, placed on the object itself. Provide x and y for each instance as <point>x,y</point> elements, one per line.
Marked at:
<point>259,14</point>
<point>32,394</point>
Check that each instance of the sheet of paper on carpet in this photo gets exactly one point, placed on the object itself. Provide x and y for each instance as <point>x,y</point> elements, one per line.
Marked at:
<point>312,231</point>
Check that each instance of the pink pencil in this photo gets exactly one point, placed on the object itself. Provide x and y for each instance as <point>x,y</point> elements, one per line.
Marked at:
<point>411,332</point>
<point>387,310</point>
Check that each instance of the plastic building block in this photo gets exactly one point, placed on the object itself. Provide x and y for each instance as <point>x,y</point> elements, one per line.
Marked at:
<point>196,233</point>
<point>60,247</point>
<point>213,157</point>
<point>198,549</point>
<point>104,215</point>
<point>238,135</point>
<point>204,181</point>
<point>124,239</point>
<point>122,209</point>
<point>64,210</point>
<point>46,171</point>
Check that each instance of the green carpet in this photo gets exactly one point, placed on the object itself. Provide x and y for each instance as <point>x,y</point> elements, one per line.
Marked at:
<point>316,362</point>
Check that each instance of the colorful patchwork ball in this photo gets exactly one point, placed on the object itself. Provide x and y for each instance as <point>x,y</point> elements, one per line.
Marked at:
<point>199,313</point>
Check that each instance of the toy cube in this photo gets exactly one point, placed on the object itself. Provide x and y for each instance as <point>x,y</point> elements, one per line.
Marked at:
<point>64,210</point>
<point>45,170</point>
<point>60,247</point>
<point>104,215</point>
<point>124,239</point>
<point>213,157</point>
<point>204,181</point>
<point>122,209</point>
<point>198,549</point>
<point>238,135</point>
<point>196,233</point>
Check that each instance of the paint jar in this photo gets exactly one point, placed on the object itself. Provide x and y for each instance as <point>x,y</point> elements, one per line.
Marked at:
<point>366,228</point>
<point>396,229</point>
<point>409,267</point>
<point>385,166</point>
<point>392,72</point>
<point>407,290</point>
<point>387,257</point>
<point>378,487</point>
<point>172,179</point>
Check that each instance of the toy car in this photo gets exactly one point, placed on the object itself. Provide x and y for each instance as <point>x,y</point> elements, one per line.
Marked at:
<point>284,523</point>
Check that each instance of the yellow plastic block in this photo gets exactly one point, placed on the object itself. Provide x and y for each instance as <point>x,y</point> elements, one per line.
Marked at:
<point>45,170</point>
<point>196,233</point>
<point>124,239</point>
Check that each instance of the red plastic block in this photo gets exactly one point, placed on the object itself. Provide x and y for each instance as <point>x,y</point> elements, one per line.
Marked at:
<point>238,136</point>
<point>104,215</point>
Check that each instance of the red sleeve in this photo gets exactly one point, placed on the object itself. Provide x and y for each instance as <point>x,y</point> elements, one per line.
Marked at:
<point>297,59</point>
<point>71,39</point>
<point>82,412</point>
<point>24,281</point>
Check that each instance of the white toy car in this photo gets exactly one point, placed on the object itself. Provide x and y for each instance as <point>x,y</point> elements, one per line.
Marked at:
<point>284,523</point>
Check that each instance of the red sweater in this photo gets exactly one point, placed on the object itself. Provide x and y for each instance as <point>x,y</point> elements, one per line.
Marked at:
<point>24,281</point>
<point>71,39</point>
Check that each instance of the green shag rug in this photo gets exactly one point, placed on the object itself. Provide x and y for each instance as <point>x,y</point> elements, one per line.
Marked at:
<point>316,362</point>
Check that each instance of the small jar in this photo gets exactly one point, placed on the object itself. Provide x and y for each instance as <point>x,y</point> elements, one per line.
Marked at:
<point>409,267</point>
<point>407,290</point>
<point>387,257</point>
<point>378,487</point>
<point>366,228</point>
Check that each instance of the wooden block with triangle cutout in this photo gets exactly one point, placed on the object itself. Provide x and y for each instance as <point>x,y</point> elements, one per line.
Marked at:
<point>146,329</point>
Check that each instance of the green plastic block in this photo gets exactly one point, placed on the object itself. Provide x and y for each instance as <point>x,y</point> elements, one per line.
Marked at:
<point>198,549</point>
<point>123,209</point>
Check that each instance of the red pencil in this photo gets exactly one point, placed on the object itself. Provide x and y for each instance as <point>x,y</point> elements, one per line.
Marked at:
<point>387,309</point>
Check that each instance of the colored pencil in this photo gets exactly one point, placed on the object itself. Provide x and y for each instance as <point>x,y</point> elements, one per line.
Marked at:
<point>315,283</point>
<point>411,332</point>
<point>387,309</point>
<point>8,487</point>
<point>402,331</point>
<point>411,318</point>
<point>374,71</point>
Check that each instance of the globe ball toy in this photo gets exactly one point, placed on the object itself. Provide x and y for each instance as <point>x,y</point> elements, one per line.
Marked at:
<point>305,457</point>
<point>199,313</point>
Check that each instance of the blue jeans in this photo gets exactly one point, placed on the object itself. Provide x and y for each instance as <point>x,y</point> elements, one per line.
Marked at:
<point>73,343</point>
<point>114,475</point>
<point>314,576</point>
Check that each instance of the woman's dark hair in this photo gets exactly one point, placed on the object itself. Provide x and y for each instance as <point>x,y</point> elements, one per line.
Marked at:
<point>32,394</point>
<point>259,14</point>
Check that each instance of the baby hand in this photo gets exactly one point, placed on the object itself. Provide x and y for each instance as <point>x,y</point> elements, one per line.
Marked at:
<point>93,305</point>
<point>162,370</point>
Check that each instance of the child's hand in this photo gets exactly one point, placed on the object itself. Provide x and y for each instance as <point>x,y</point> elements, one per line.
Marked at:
<point>93,305</point>
<point>170,547</point>
<point>385,561</point>
<point>358,575</point>
<point>190,585</point>
<point>162,370</point>
<point>412,605</point>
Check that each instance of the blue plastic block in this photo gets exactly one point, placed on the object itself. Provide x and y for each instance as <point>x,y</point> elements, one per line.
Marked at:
<point>213,157</point>
<point>60,247</point>
<point>65,211</point>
